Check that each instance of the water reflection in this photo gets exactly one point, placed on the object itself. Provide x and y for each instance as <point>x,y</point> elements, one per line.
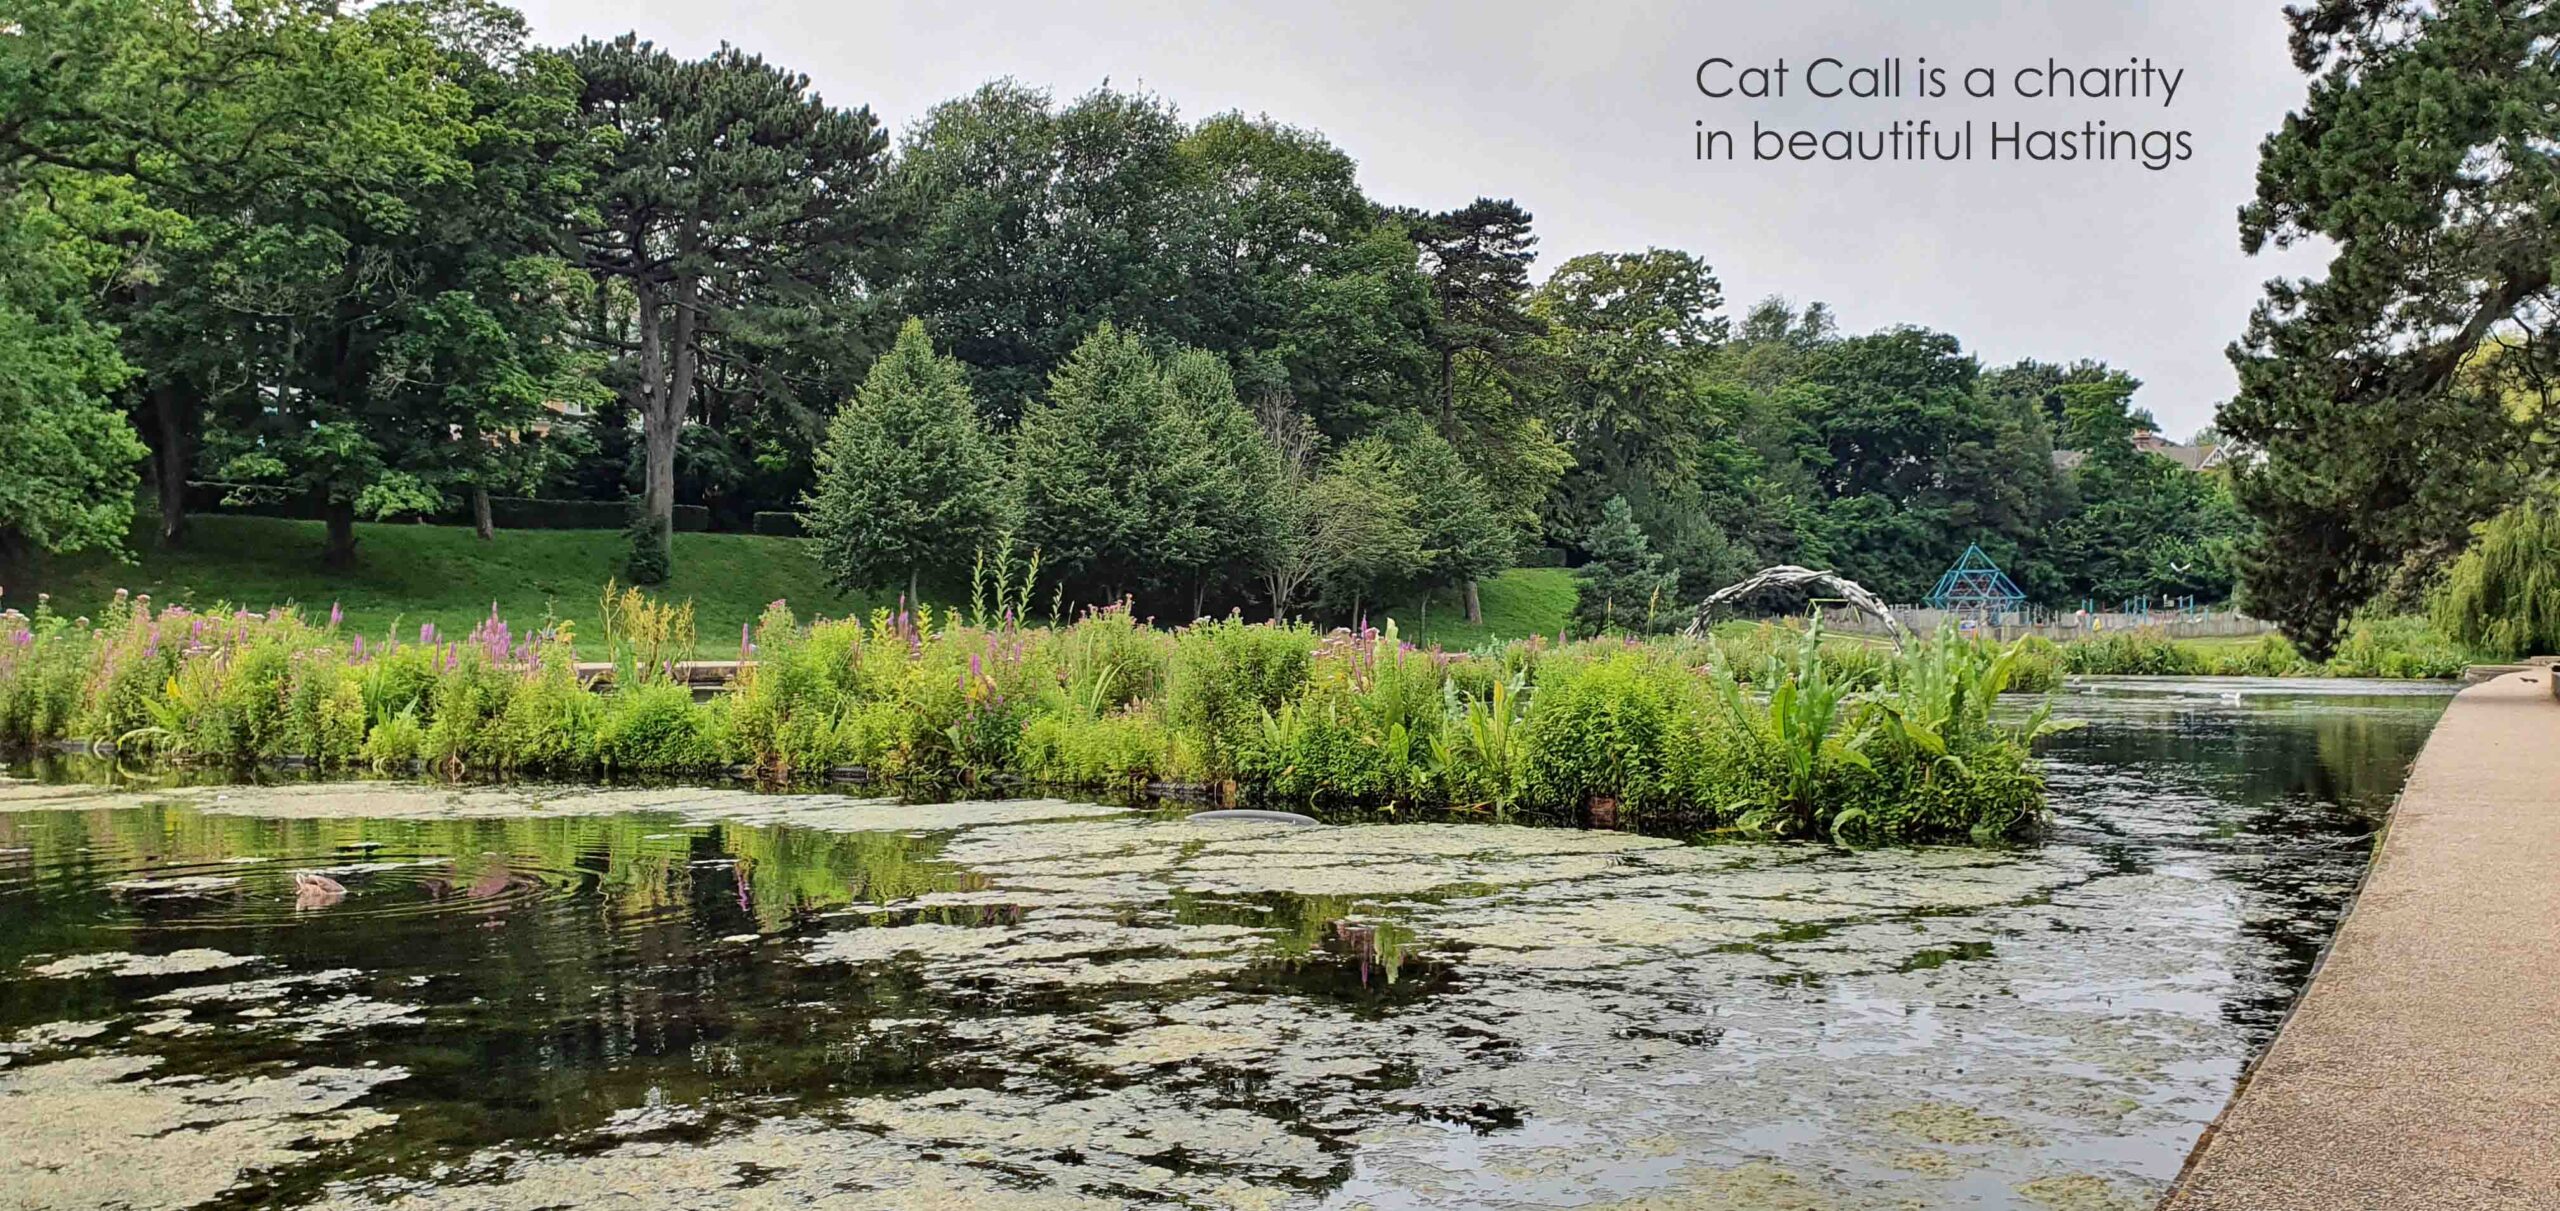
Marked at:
<point>535,998</point>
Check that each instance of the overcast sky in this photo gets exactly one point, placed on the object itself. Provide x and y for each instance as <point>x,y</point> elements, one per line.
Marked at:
<point>1585,114</point>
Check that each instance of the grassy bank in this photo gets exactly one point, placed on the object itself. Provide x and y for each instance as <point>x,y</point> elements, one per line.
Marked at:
<point>2401,647</point>
<point>1768,732</point>
<point>405,575</point>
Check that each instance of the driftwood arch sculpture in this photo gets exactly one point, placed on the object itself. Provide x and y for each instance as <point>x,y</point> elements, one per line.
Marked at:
<point>1789,576</point>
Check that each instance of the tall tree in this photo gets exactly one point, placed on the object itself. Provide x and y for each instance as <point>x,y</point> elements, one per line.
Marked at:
<point>908,482</point>
<point>1477,257</point>
<point>2427,155</point>
<point>1366,533</point>
<point>1111,474</point>
<point>66,464</point>
<point>1630,346</point>
<point>395,334</point>
<point>733,183</point>
<point>1235,502</point>
<point>1913,463</point>
<point>1030,225</point>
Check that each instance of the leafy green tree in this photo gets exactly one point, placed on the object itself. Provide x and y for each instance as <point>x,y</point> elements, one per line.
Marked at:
<point>1912,463</point>
<point>1624,586</point>
<point>67,464</point>
<point>2425,157</point>
<point>1111,474</point>
<point>395,336</point>
<point>1366,534</point>
<point>1236,501</point>
<point>261,134</point>
<point>1467,535</point>
<point>1477,257</point>
<point>1031,225</point>
<point>734,188</point>
<point>1630,350</point>
<point>2136,525</point>
<point>908,481</point>
<point>2502,597</point>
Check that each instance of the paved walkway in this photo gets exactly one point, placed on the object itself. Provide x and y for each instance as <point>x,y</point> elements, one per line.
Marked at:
<point>2421,1072</point>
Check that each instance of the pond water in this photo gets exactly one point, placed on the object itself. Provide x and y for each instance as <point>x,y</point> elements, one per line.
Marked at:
<point>538,997</point>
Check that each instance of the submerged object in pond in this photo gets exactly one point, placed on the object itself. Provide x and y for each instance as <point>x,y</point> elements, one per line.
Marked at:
<point>1260,817</point>
<point>312,889</point>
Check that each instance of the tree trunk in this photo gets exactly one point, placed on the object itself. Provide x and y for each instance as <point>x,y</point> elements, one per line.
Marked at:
<point>913,602</point>
<point>340,549</point>
<point>666,386</point>
<point>169,467</point>
<point>1475,605</point>
<point>481,521</point>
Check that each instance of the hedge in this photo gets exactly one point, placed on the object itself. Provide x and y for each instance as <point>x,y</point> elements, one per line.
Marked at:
<point>506,512</point>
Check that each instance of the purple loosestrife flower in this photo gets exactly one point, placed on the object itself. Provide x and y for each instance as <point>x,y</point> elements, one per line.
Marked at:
<point>336,615</point>
<point>358,657</point>
<point>426,633</point>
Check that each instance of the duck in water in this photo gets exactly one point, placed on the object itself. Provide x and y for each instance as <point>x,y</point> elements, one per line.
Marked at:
<point>311,890</point>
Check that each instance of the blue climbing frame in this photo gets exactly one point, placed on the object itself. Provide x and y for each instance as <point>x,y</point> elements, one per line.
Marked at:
<point>1976,586</point>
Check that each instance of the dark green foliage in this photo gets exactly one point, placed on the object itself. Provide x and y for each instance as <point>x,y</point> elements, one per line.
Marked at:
<point>1112,474</point>
<point>735,201</point>
<point>1225,678</point>
<point>648,562</point>
<point>909,484</point>
<point>2423,156</point>
<point>1624,587</point>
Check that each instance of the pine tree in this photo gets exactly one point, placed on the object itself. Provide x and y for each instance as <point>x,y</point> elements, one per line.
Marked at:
<point>908,483</point>
<point>1623,586</point>
<point>733,186</point>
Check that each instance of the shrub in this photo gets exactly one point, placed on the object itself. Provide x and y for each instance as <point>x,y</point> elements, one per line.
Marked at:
<point>1622,725</point>
<point>1225,678</point>
<point>1107,660</point>
<point>2400,646</point>
<point>2144,653</point>
<point>655,727</point>
<point>395,742</point>
<point>550,721</point>
<point>1115,749</point>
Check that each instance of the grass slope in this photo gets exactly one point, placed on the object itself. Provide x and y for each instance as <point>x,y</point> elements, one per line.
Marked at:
<point>408,574</point>
<point>1517,604</point>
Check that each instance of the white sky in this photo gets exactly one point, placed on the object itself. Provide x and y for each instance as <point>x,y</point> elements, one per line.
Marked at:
<point>1584,113</point>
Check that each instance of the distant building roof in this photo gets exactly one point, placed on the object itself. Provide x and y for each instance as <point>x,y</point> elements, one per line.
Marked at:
<point>2193,458</point>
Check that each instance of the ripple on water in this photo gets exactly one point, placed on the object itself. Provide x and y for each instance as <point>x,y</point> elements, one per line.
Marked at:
<point>681,998</point>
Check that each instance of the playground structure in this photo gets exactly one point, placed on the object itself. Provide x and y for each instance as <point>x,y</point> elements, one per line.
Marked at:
<point>1976,596</point>
<point>1976,588</point>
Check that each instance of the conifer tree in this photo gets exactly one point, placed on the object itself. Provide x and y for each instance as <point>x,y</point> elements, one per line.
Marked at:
<point>909,483</point>
<point>1238,502</point>
<point>1111,474</point>
<point>1623,586</point>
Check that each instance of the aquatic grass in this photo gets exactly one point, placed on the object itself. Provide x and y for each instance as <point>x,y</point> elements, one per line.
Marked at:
<point>1779,730</point>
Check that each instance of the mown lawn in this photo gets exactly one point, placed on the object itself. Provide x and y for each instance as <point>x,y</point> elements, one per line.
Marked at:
<point>1517,604</point>
<point>408,574</point>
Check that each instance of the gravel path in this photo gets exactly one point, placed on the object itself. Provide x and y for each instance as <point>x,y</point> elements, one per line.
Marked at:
<point>2421,1072</point>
